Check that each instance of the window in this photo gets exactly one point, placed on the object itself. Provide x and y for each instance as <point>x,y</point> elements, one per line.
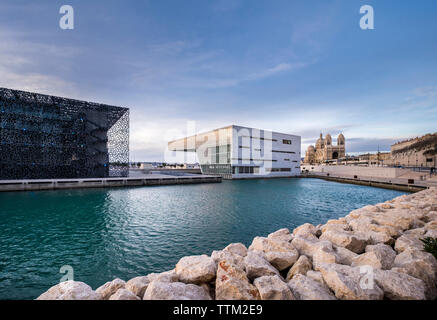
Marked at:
<point>291,152</point>
<point>286,159</point>
<point>286,141</point>
<point>280,169</point>
<point>245,170</point>
<point>428,160</point>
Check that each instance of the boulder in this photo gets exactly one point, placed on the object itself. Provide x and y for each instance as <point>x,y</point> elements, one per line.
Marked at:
<point>316,276</point>
<point>385,254</point>
<point>70,290</point>
<point>350,283</point>
<point>421,265</point>
<point>397,218</point>
<point>302,266</point>
<point>408,241</point>
<point>400,286</point>
<point>232,284</point>
<point>344,256</point>
<point>196,269</point>
<point>167,276</point>
<point>237,248</point>
<point>225,255</point>
<point>109,288</point>
<point>432,233</point>
<point>345,239</point>
<point>280,254</point>
<point>306,230</point>
<point>372,259</point>
<point>158,290</point>
<point>282,234</point>
<point>138,285</point>
<point>336,225</point>
<point>273,288</point>
<point>123,294</point>
<point>307,246</point>
<point>305,288</point>
<point>324,255</point>
<point>375,237</point>
<point>257,266</point>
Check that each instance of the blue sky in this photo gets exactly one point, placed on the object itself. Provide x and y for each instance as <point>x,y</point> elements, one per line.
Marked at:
<point>301,67</point>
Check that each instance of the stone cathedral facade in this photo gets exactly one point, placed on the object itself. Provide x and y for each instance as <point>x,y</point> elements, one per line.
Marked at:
<point>324,150</point>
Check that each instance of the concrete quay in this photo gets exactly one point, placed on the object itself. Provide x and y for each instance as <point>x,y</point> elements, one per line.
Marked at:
<point>409,185</point>
<point>143,180</point>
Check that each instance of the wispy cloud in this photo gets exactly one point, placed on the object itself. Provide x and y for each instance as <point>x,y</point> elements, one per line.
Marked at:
<point>422,99</point>
<point>33,66</point>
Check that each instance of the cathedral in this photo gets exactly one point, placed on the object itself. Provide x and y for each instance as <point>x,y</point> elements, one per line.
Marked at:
<point>325,150</point>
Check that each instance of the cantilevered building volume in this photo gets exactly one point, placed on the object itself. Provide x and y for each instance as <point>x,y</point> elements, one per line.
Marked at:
<point>236,152</point>
<point>47,137</point>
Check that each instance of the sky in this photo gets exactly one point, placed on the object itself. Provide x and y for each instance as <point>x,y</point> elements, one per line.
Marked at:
<point>300,67</point>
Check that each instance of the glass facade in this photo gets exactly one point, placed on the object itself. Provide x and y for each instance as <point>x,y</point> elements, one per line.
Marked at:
<point>46,137</point>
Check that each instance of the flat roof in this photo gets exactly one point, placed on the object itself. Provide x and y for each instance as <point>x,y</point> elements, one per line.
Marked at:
<point>227,127</point>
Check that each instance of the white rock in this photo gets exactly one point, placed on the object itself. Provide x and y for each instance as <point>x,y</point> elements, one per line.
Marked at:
<point>138,285</point>
<point>273,288</point>
<point>316,276</point>
<point>385,254</point>
<point>398,218</point>
<point>374,237</point>
<point>70,290</point>
<point>345,239</point>
<point>305,288</point>
<point>344,256</point>
<point>257,266</point>
<point>196,269</point>
<point>323,255</point>
<point>280,254</point>
<point>232,284</point>
<point>282,234</point>
<point>308,247</point>
<point>109,288</point>
<point>400,286</point>
<point>158,290</point>
<point>302,266</point>
<point>123,294</point>
<point>408,241</point>
<point>306,230</point>
<point>225,255</point>
<point>421,265</point>
<point>348,283</point>
<point>237,248</point>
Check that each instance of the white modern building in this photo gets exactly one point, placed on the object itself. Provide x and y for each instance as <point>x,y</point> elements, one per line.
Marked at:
<point>236,152</point>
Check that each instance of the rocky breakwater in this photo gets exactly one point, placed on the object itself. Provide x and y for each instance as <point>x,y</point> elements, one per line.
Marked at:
<point>373,253</point>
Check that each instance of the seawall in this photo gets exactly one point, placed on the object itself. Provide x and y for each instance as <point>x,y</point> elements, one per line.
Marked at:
<point>145,180</point>
<point>373,253</point>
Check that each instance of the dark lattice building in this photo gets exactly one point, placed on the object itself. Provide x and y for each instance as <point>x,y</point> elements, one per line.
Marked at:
<point>47,137</point>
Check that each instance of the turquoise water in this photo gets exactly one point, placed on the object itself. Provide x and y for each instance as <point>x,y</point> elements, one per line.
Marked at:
<point>108,233</point>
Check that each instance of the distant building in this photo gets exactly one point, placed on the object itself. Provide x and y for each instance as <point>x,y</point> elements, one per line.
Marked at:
<point>325,150</point>
<point>379,158</point>
<point>47,137</point>
<point>236,152</point>
<point>417,152</point>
